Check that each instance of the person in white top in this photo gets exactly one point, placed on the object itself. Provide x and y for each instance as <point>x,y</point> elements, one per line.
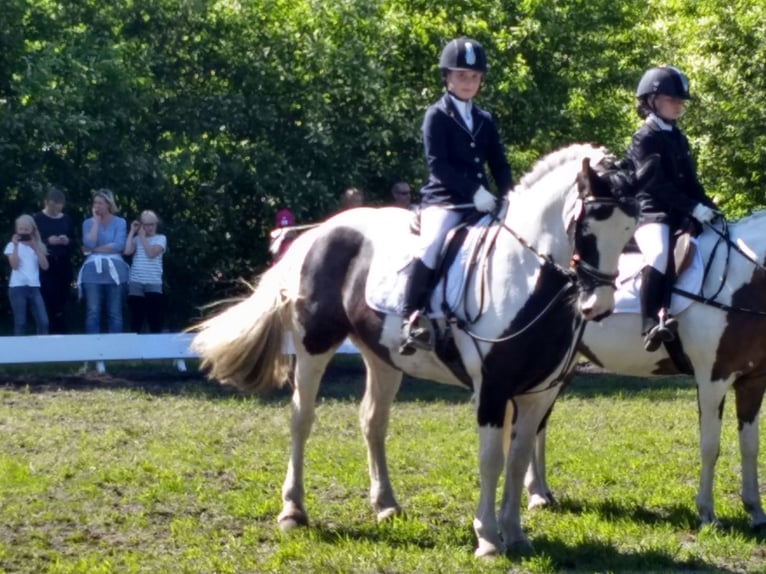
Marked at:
<point>145,295</point>
<point>27,255</point>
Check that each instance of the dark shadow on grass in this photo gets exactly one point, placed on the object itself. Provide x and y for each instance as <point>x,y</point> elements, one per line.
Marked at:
<point>587,556</point>
<point>601,557</point>
<point>586,384</point>
<point>343,380</point>
<point>682,517</point>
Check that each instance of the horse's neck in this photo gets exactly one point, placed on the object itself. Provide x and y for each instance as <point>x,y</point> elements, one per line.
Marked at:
<point>538,219</point>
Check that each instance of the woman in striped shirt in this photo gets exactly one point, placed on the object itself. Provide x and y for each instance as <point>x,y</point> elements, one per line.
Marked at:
<point>145,298</point>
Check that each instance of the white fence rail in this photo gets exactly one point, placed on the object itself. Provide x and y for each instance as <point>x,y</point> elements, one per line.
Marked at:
<point>107,347</point>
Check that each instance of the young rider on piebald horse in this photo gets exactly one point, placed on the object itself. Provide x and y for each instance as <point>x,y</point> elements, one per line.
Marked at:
<point>459,138</point>
<point>668,192</point>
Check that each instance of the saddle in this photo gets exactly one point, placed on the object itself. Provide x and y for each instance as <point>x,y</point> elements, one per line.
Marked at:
<point>384,290</point>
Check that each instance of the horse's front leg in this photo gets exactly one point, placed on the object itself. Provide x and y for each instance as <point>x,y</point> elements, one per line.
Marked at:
<point>308,374</point>
<point>530,411</point>
<point>383,382</point>
<point>491,458</point>
<point>749,396</point>
<point>710,399</point>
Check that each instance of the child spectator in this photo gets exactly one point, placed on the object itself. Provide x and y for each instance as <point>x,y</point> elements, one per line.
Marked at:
<point>27,255</point>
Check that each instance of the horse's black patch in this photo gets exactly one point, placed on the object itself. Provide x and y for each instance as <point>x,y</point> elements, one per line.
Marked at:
<point>324,273</point>
<point>514,366</point>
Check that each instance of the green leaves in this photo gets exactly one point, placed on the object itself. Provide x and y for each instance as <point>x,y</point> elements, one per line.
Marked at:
<point>286,103</point>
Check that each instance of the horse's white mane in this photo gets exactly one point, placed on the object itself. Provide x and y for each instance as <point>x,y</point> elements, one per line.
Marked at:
<point>557,158</point>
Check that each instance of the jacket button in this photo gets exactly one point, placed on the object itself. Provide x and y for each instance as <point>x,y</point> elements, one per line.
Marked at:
<point>473,144</point>
<point>476,159</point>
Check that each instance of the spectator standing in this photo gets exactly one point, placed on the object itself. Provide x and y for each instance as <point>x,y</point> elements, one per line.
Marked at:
<point>27,255</point>
<point>401,193</point>
<point>145,295</point>
<point>58,235</point>
<point>104,273</point>
<point>350,198</point>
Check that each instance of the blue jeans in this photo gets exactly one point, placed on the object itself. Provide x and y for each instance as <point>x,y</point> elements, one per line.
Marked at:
<point>23,298</point>
<point>98,296</point>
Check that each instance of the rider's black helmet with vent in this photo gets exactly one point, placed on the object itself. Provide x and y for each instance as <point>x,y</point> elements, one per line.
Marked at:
<point>665,80</point>
<point>463,54</point>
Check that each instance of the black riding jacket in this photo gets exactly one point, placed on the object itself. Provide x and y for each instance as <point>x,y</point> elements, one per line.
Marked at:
<point>667,188</point>
<point>456,155</point>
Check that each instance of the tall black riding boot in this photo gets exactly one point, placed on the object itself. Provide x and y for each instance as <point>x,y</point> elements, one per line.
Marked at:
<point>416,333</point>
<point>656,327</point>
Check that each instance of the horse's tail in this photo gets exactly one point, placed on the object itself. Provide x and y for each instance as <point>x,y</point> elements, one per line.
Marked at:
<point>242,345</point>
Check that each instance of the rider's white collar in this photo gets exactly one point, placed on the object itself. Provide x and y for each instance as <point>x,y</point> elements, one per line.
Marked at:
<point>463,108</point>
<point>662,124</point>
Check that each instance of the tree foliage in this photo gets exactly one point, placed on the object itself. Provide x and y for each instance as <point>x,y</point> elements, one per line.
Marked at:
<point>216,113</point>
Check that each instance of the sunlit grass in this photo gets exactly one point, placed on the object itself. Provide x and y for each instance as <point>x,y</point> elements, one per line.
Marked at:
<point>185,477</point>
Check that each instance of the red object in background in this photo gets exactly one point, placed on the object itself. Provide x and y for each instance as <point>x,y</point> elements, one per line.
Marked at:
<point>281,238</point>
<point>284,218</point>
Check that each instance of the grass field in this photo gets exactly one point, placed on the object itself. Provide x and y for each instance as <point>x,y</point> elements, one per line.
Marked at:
<point>162,472</point>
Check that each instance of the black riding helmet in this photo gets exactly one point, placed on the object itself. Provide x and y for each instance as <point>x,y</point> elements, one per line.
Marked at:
<point>665,80</point>
<point>463,54</point>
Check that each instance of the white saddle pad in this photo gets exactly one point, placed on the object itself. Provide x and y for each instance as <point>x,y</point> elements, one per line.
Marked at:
<point>629,283</point>
<point>389,269</point>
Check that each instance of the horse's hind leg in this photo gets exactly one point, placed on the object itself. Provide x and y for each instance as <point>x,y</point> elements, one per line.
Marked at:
<point>749,396</point>
<point>383,382</point>
<point>308,374</point>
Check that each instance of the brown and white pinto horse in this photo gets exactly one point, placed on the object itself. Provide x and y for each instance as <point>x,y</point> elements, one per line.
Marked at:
<point>724,341</point>
<point>518,346</point>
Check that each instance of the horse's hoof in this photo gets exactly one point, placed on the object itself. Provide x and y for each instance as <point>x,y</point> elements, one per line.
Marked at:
<point>388,513</point>
<point>519,548</point>
<point>538,501</point>
<point>486,550</point>
<point>288,523</point>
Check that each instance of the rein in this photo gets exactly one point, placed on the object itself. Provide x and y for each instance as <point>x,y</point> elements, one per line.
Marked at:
<point>711,301</point>
<point>586,272</point>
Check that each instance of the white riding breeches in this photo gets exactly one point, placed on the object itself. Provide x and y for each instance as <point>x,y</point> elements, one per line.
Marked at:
<point>653,239</point>
<point>435,223</point>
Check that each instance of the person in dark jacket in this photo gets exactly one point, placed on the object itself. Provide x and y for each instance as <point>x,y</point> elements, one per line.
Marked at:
<point>459,139</point>
<point>58,233</point>
<point>668,192</point>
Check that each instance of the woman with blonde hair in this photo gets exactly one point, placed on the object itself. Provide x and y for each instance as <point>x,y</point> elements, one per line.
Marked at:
<point>27,255</point>
<point>104,273</point>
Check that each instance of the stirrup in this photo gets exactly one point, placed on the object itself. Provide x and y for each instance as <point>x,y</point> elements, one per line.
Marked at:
<point>663,332</point>
<point>652,339</point>
<point>416,334</point>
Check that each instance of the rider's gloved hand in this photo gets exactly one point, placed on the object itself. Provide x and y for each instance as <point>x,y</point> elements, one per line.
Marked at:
<point>704,214</point>
<point>483,200</point>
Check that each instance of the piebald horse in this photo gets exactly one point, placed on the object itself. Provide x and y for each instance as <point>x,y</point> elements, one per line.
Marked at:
<point>512,336</point>
<point>723,338</point>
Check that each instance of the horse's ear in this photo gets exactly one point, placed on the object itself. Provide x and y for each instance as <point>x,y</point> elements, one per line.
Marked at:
<point>573,207</point>
<point>583,178</point>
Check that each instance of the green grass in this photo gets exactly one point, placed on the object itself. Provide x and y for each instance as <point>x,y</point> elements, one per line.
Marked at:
<point>180,475</point>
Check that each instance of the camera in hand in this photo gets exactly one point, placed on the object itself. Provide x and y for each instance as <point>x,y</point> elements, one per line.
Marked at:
<point>25,237</point>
